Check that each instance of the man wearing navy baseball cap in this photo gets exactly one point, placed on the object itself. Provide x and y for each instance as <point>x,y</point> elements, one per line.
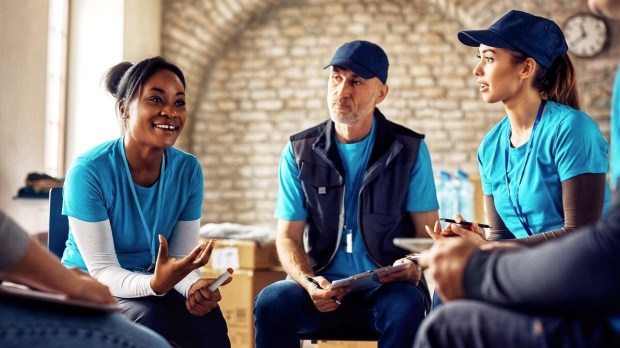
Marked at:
<point>347,188</point>
<point>364,58</point>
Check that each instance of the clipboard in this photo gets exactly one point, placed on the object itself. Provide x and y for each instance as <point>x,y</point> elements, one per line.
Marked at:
<point>414,244</point>
<point>15,290</point>
<point>367,279</point>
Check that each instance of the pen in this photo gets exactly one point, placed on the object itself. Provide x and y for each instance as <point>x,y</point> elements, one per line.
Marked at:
<point>413,256</point>
<point>463,222</point>
<point>221,279</point>
<point>311,280</point>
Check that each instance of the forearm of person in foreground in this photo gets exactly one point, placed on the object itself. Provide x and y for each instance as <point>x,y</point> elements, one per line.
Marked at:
<point>38,269</point>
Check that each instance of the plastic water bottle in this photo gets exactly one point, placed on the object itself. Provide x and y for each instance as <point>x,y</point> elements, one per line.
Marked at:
<point>465,193</point>
<point>445,196</point>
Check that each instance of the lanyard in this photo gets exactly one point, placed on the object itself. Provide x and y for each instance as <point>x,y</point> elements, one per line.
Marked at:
<point>150,234</point>
<point>516,206</point>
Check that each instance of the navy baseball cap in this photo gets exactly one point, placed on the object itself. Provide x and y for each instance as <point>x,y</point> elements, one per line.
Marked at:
<point>536,37</point>
<point>364,58</point>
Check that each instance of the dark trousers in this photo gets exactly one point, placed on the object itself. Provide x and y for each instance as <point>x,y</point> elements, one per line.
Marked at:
<point>168,316</point>
<point>284,309</point>
<point>473,324</point>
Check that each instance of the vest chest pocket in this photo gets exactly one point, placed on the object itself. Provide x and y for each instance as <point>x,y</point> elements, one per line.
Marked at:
<point>323,188</point>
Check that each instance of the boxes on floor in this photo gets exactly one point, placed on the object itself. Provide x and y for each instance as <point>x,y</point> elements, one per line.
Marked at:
<point>238,301</point>
<point>243,254</point>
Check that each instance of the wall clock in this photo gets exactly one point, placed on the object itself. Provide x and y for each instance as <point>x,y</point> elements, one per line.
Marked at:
<point>586,34</point>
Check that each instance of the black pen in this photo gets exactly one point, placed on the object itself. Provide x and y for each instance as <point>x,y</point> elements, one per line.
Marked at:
<point>311,280</point>
<point>463,222</point>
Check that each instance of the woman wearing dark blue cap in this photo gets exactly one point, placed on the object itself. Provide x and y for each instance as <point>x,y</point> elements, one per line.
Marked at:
<point>543,165</point>
<point>543,174</point>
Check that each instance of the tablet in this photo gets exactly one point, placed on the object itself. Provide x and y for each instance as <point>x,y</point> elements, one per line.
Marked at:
<point>414,244</point>
<point>367,279</point>
<point>19,291</point>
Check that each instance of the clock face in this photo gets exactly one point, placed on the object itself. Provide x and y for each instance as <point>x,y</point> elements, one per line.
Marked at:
<point>586,34</point>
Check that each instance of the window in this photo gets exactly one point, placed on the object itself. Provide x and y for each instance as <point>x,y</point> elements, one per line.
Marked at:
<point>55,114</point>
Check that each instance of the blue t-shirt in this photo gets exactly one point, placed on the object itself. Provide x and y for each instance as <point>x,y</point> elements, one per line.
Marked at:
<point>615,131</point>
<point>421,197</point>
<point>97,188</point>
<point>567,143</point>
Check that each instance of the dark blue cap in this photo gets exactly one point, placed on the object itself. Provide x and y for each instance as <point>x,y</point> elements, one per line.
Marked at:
<point>536,37</point>
<point>364,58</point>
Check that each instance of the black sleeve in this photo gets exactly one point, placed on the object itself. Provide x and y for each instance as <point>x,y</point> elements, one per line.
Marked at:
<point>582,201</point>
<point>576,274</point>
<point>498,230</point>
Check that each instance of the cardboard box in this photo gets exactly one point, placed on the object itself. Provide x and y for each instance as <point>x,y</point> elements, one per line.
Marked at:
<point>346,344</point>
<point>238,301</point>
<point>243,254</point>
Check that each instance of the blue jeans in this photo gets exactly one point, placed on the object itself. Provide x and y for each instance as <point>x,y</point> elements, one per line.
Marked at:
<point>27,323</point>
<point>284,310</point>
<point>168,316</point>
<point>436,301</point>
<point>466,324</point>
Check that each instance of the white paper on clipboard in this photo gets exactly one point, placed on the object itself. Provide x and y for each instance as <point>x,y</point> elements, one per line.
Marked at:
<point>414,244</point>
<point>367,279</point>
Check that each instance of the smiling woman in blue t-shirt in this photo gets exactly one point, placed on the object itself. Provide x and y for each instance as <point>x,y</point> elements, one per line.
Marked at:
<point>543,165</point>
<point>134,206</point>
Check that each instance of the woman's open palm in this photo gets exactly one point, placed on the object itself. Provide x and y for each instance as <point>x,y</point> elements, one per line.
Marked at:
<point>169,270</point>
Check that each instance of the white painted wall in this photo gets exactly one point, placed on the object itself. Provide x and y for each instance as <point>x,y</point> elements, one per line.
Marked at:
<point>23,62</point>
<point>102,33</point>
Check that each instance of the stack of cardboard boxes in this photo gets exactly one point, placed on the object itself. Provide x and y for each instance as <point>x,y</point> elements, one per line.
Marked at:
<point>255,266</point>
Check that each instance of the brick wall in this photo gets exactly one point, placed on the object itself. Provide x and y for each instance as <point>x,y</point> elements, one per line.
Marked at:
<point>255,76</point>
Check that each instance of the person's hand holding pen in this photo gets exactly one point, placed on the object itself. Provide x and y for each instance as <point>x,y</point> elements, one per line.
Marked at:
<point>471,231</point>
<point>324,299</point>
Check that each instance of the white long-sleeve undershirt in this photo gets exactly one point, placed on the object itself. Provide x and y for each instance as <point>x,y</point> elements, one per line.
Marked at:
<point>96,245</point>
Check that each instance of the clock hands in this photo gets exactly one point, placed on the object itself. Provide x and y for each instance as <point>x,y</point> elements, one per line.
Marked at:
<point>585,34</point>
<point>583,31</point>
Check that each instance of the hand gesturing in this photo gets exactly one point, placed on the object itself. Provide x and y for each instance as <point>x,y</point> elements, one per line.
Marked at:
<point>169,271</point>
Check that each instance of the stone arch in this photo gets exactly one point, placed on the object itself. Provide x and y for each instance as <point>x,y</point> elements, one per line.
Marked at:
<point>200,35</point>
<point>195,32</point>
<point>212,24</point>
